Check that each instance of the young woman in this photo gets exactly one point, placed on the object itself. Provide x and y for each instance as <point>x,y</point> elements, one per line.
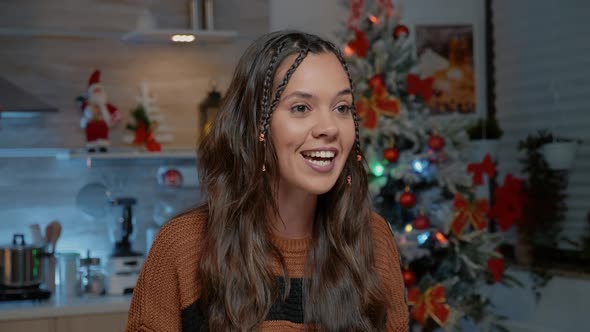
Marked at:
<point>286,240</point>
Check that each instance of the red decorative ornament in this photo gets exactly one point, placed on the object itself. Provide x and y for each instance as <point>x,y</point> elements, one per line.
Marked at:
<point>172,178</point>
<point>436,142</point>
<point>409,277</point>
<point>421,222</point>
<point>391,154</point>
<point>496,266</point>
<point>407,199</point>
<point>360,44</point>
<point>400,30</point>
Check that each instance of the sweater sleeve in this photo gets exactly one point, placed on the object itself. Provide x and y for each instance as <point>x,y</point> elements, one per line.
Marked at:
<point>388,264</point>
<point>155,305</point>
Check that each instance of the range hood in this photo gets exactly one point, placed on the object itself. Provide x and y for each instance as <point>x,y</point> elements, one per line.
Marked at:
<point>15,99</point>
<point>201,27</point>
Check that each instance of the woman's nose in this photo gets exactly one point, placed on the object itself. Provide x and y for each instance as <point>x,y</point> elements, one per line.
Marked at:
<point>325,126</point>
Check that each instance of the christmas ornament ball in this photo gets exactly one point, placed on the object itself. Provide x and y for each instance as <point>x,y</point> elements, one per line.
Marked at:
<point>421,222</point>
<point>400,30</point>
<point>407,199</point>
<point>391,154</point>
<point>409,277</point>
<point>436,142</point>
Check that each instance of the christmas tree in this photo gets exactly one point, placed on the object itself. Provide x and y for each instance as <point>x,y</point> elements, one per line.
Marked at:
<point>149,125</point>
<point>420,179</point>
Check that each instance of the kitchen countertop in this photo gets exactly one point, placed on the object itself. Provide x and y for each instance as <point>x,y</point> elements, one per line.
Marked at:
<point>58,307</point>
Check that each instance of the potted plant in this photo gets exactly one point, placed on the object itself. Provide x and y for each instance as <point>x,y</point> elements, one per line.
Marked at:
<point>560,153</point>
<point>484,135</point>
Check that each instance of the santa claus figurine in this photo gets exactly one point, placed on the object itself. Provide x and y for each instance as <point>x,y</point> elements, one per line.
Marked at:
<point>98,115</point>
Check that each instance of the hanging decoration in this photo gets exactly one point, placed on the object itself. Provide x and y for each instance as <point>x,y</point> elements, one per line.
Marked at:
<point>436,142</point>
<point>379,102</point>
<point>486,167</point>
<point>421,222</point>
<point>469,213</point>
<point>407,199</point>
<point>391,154</point>
<point>431,303</point>
<point>409,277</point>
<point>400,31</point>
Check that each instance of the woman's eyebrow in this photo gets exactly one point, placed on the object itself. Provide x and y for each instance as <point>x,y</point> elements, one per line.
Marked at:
<point>307,95</point>
<point>300,94</point>
<point>344,92</point>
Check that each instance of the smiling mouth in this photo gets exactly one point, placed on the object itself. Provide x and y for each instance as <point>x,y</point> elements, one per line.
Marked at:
<point>319,158</point>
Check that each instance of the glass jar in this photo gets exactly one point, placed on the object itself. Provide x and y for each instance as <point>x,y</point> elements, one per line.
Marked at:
<point>94,278</point>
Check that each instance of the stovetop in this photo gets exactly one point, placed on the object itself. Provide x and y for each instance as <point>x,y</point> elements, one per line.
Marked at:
<point>23,293</point>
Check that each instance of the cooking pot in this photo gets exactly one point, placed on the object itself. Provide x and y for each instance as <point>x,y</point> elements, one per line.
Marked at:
<point>21,265</point>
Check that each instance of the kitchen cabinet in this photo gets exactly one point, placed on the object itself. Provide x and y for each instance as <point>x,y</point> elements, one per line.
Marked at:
<point>114,322</point>
<point>92,323</point>
<point>37,325</point>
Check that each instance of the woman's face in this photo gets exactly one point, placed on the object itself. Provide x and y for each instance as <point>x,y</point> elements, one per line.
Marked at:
<point>312,128</point>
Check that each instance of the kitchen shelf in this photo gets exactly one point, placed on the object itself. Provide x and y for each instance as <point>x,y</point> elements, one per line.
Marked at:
<point>115,153</point>
<point>165,35</point>
<point>130,154</point>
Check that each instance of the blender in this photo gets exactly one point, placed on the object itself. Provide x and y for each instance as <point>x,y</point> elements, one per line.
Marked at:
<point>124,264</point>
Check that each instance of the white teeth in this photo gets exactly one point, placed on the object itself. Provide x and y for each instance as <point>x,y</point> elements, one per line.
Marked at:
<point>320,162</point>
<point>320,154</point>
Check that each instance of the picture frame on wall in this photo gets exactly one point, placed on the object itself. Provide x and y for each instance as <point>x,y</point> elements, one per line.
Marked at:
<point>446,57</point>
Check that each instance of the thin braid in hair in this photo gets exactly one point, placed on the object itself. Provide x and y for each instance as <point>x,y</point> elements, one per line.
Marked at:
<point>302,54</point>
<point>357,141</point>
<point>267,86</point>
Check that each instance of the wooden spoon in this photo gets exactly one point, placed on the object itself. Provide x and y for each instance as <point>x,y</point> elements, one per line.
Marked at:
<point>55,234</point>
<point>49,237</point>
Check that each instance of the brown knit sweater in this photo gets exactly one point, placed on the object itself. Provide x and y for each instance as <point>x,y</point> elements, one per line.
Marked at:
<point>166,297</point>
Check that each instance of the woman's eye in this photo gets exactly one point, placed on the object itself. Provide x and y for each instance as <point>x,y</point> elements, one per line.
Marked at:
<point>299,108</point>
<point>344,109</point>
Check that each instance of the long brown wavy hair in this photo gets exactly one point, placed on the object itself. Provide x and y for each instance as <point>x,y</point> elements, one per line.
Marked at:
<point>341,288</point>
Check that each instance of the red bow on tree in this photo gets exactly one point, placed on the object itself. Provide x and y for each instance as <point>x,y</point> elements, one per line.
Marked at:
<point>431,303</point>
<point>468,212</point>
<point>485,167</point>
<point>379,102</point>
<point>509,201</point>
<point>360,44</point>
<point>420,87</point>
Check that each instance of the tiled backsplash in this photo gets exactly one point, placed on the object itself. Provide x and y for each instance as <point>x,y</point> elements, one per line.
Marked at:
<point>44,189</point>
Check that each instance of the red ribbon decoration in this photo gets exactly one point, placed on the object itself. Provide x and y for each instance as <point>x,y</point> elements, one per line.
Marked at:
<point>487,166</point>
<point>431,303</point>
<point>379,102</point>
<point>467,212</point>
<point>420,87</point>
<point>509,200</point>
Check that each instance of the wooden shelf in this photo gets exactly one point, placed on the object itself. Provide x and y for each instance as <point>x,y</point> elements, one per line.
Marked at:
<point>131,154</point>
